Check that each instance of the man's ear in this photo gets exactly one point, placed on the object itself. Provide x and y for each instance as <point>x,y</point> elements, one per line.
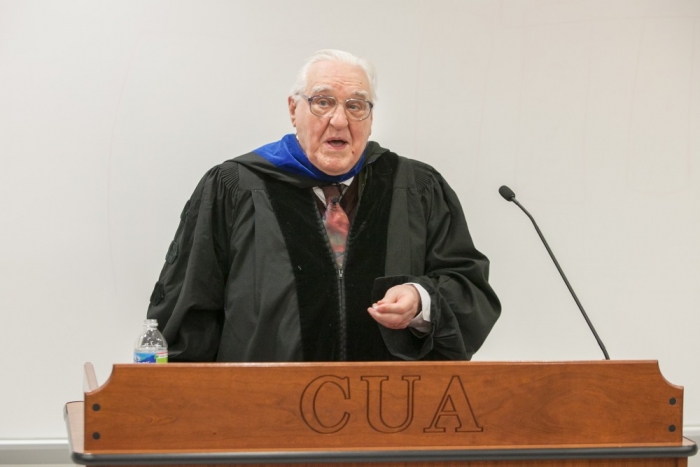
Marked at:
<point>292,110</point>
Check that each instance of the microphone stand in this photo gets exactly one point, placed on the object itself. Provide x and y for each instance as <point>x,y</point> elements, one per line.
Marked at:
<point>510,196</point>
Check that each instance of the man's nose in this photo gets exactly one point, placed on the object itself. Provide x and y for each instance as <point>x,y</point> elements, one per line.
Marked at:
<point>338,118</point>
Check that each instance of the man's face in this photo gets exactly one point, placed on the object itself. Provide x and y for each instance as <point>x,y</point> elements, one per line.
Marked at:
<point>333,144</point>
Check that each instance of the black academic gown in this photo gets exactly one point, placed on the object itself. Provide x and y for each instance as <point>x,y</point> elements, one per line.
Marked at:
<point>250,277</point>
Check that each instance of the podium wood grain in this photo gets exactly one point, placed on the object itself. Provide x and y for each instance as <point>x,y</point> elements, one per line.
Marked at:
<point>408,413</point>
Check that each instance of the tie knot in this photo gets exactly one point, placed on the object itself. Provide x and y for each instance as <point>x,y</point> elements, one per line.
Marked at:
<point>333,193</point>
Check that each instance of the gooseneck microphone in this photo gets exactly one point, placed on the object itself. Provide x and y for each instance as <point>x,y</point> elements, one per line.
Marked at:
<point>508,195</point>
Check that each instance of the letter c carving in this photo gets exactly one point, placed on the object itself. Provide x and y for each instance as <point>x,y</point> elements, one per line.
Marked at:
<point>316,415</point>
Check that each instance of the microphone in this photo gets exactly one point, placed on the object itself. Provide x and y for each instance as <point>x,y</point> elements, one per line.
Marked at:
<point>508,195</point>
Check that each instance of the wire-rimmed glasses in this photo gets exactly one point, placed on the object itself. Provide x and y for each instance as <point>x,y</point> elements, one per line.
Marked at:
<point>355,108</point>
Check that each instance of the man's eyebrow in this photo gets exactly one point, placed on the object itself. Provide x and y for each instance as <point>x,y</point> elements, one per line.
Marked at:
<point>320,89</point>
<point>362,94</point>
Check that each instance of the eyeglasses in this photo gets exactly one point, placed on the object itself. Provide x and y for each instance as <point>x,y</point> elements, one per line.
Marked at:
<point>324,106</point>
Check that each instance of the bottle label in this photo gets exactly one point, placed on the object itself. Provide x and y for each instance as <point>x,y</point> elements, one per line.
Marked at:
<point>151,357</point>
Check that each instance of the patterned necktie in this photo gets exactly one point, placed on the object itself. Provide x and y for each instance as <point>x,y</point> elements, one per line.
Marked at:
<point>336,221</point>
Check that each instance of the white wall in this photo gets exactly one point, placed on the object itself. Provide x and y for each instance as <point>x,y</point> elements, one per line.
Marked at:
<point>110,112</point>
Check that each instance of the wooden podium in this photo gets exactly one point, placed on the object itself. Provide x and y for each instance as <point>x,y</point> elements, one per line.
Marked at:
<point>602,413</point>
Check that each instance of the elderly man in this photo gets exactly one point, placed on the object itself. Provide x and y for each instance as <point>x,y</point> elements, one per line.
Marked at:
<point>323,246</point>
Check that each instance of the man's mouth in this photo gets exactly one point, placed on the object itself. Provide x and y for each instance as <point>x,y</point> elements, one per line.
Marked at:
<point>336,142</point>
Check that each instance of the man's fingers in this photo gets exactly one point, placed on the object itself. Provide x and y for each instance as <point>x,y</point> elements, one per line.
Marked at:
<point>389,319</point>
<point>397,308</point>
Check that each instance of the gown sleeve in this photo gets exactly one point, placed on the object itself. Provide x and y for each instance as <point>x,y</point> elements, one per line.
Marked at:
<point>463,305</point>
<point>188,299</point>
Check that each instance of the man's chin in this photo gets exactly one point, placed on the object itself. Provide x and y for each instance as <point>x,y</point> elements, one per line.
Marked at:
<point>335,164</point>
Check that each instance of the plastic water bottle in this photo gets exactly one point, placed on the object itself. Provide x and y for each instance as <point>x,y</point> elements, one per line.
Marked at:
<point>151,347</point>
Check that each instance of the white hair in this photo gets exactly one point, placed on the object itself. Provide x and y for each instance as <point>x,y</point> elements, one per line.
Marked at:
<point>331,55</point>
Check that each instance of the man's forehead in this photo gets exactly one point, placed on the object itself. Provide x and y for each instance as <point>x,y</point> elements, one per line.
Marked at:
<point>330,76</point>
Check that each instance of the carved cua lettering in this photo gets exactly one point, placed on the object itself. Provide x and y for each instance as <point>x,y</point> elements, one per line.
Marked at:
<point>325,391</point>
<point>454,411</point>
<point>375,399</point>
